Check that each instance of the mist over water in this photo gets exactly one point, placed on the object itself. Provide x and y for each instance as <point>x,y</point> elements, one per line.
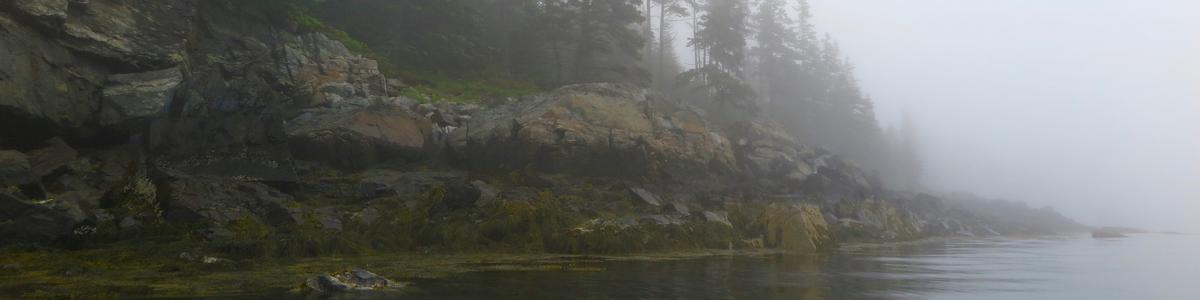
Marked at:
<point>1092,107</point>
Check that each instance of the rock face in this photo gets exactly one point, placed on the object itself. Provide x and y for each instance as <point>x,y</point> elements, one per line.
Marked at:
<point>797,227</point>
<point>357,140</point>
<point>583,129</point>
<point>220,201</point>
<point>138,95</point>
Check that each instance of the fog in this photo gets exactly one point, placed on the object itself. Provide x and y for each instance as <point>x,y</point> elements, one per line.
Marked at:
<point>1092,107</point>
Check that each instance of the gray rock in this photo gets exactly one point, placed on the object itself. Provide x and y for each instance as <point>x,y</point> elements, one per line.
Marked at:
<point>245,148</point>
<point>220,201</point>
<point>679,208</point>
<point>717,217</point>
<point>53,9</point>
<point>213,260</point>
<point>138,95</point>
<point>487,193</point>
<point>355,140</point>
<point>356,279</point>
<point>646,196</point>
<point>326,284</point>
<point>14,169</point>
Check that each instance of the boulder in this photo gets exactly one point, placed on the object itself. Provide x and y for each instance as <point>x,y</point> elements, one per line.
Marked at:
<point>487,193</point>
<point>355,279</point>
<point>138,95</point>
<point>796,227</point>
<point>41,222</point>
<point>357,140</point>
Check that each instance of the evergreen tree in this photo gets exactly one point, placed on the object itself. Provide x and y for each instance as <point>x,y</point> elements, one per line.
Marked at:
<point>721,40</point>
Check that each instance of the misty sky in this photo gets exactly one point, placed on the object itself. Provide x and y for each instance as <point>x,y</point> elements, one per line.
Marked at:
<point>1092,106</point>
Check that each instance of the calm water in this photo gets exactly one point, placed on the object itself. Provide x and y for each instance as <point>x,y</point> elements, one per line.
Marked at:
<point>1151,266</point>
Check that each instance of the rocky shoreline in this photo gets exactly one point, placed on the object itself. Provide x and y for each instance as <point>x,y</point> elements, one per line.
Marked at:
<point>208,127</point>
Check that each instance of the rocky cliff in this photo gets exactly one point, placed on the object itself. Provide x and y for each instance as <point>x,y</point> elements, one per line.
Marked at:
<point>212,123</point>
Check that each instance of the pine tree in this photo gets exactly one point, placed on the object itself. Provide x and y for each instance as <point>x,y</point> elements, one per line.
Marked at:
<point>721,40</point>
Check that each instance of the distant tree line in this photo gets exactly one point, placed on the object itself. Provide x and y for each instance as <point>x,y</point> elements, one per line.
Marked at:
<point>750,58</point>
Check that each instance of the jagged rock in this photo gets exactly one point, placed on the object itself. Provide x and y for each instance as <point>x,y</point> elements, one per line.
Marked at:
<point>138,95</point>
<point>220,201</point>
<point>248,148</point>
<point>799,227</point>
<point>646,196</point>
<point>354,141</point>
<point>14,169</point>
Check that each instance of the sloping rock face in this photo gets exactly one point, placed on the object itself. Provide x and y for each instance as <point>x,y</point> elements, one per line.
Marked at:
<point>180,109</point>
<point>595,129</point>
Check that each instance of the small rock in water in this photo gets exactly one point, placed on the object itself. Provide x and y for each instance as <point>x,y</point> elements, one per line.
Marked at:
<point>326,284</point>
<point>356,279</point>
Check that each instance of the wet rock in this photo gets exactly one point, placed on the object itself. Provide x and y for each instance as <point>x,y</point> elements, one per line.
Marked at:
<point>646,196</point>
<point>14,169</point>
<point>356,279</point>
<point>326,284</point>
<point>138,95</point>
<point>798,227</point>
<point>356,140</point>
